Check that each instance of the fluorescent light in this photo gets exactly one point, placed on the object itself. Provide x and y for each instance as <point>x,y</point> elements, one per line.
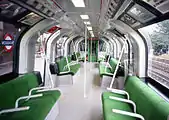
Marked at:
<point>89,28</point>
<point>91,32</point>
<point>78,3</point>
<point>87,23</point>
<point>84,16</point>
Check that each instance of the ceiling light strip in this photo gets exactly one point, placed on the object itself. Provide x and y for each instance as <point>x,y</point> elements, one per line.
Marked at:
<point>84,17</point>
<point>78,3</point>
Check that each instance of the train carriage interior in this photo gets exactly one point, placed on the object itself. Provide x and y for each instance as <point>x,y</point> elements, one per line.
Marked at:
<point>84,59</point>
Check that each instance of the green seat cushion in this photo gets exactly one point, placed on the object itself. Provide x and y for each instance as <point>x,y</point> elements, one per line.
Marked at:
<point>78,54</point>
<point>61,65</point>
<point>109,104</point>
<point>105,95</point>
<point>101,59</point>
<point>74,68</point>
<point>55,94</point>
<point>103,70</point>
<point>39,108</point>
<point>113,63</point>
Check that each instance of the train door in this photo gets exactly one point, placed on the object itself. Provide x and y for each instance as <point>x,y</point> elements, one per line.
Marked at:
<point>93,50</point>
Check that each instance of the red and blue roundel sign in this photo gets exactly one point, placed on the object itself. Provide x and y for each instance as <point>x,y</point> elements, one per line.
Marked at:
<point>8,42</point>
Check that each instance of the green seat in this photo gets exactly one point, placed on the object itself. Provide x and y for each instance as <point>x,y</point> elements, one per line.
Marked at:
<point>39,108</point>
<point>63,67</point>
<point>19,87</point>
<point>76,55</point>
<point>62,63</point>
<point>108,105</point>
<point>148,103</point>
<point>102,71</point>
<point>113,64</point>
<point>101,60</point>
<point>79,57</point>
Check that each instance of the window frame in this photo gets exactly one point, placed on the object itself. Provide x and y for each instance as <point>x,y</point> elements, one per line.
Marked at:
<point>15,66</point>
<point>161,88</point>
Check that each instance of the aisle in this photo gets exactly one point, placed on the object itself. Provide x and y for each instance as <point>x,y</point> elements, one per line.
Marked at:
<point>73,105</point>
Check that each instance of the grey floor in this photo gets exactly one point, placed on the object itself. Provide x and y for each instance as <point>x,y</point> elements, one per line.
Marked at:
<point>73,105</point>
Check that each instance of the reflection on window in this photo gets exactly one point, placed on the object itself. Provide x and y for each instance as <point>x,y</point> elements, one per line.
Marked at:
<point>157,36</point>
<point>8,34</point>
<point>9,9</point>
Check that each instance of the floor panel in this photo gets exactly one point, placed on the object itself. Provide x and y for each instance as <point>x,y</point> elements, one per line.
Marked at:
<point>73,105</point>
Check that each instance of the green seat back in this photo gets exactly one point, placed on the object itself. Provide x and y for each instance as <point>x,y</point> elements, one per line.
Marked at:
<point>103,70</point>
<point>69,59</point>
<point>12,90</point>
<point>113,63</point>
<point>148,102</point>
<point>61,64</point>
<point>73,57</point>
<point>78,54</point>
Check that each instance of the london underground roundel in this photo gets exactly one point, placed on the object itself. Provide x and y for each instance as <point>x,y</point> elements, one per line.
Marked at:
<point>8,42</point>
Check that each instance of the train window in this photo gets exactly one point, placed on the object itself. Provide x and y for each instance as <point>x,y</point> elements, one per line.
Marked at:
<point>157,37</point>
<point>161,5</point>
<point>8,35</point>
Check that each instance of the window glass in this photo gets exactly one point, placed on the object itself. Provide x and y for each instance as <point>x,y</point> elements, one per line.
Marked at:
<point>9,9</point>
<point>161,5</point>
<point>8,34</point>
<point>157,37</point>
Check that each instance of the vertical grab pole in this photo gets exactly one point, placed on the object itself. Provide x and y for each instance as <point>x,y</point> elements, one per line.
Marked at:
<point>85,79</point>
<point>117,66</point>
<point>98,51</point>
<point>91,51</point>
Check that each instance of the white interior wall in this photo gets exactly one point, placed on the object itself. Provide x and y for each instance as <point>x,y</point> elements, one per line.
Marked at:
<point>141,59</point>
<point>27,45</point>
<point>67,43</point>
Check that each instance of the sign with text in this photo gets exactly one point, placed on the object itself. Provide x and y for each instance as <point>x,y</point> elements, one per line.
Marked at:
<point>8,42</point>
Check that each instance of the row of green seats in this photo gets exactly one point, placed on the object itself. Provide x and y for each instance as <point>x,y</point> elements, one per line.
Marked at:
<point>102,58</point>
<point>108,68</point>
<point>23,99</point>
<point>67,66</point>
<point>137,101</point>
<point>77,56</point>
